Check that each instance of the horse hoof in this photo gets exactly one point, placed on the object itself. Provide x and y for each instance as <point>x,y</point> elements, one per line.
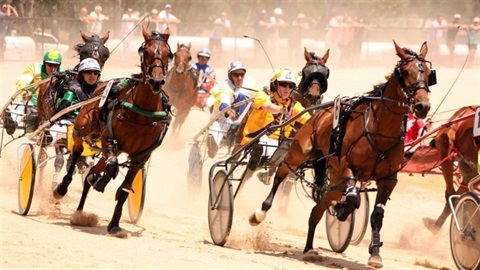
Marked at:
<point>311,256</point>
<point>60,191</point>
<point>429,223</point>
<point>118,232</point>
<point>375,261</point>
<point>257,217</point>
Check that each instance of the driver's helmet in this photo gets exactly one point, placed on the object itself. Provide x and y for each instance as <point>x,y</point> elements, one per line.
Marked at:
<point>53,57</point>
<point>89,64</point>
<point>282,75</point>
<point>235,65</point>
<point>204,52</point>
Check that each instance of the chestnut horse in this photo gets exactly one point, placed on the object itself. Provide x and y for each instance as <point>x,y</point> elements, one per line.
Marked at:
<point>181,86</point>
<point>314,83</point>
<point>134,121</point>
<point>92,47</point>
<point>456,140</point>
<point>367,144</point>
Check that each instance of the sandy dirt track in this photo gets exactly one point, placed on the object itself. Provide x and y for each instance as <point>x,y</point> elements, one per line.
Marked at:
<point>173,231</point>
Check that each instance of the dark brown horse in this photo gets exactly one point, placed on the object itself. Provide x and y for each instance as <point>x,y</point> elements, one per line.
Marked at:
<point>456,142</point>
<point>92,47</point>
<point>181,86</point>
<point>367,144</point>
<point>134,121</point>
<point>314,82</point>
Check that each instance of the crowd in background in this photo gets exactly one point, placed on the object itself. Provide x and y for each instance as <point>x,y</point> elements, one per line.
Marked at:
<point>343,34</point>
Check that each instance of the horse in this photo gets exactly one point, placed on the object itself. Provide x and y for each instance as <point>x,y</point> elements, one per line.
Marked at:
<point>313,83</point>
<point>457,140</point>
<point>367,144</point>
<point>181,86</point>
<point>134,121</point>
<point>92,47</point>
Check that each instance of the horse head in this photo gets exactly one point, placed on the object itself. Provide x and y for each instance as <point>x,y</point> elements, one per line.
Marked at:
<point>94,47</point>
<point>155,54</point>
<point>314,78</point>
<point>414,75</point>
<point>182,58</point>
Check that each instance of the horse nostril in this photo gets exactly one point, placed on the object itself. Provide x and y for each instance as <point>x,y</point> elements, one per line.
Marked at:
<point>418,107</point>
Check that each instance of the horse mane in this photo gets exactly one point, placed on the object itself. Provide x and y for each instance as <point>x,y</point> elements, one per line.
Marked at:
<point>379,88</point>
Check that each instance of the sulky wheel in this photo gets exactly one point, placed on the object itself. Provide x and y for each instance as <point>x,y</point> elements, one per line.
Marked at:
<point>136,199</point>
<point>361,219</point>
<point>220,216</point>
<point>194,175</point>
<point>339,233</point>
<point>465,244</point>
<point>26,183</point>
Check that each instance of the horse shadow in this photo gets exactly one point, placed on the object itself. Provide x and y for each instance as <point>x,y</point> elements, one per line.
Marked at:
<point>285,251</point>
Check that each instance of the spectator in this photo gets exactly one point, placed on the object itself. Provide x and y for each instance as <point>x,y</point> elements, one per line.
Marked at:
<point>97,19</point>
<point>299,26</point>
<point>451,37</point>
<point>206,76</point>
<point>473,33</point>
<point>276,24</point>
<point>261,33</point>
<point>25,10</point>
<point>169,20</point>
<point>224,95</point>
<point>334,35</point>
<point>84,19</point>
<point>272,109</point>
<point>33,73</point>
<point>439,26</point>
<point>154,21</point>
<point>7,11</point>
<point>345,42</point>
<point>129,19</point>
<point>221,27</point>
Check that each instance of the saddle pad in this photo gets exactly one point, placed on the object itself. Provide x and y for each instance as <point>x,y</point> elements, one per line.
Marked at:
<point>423,160</point>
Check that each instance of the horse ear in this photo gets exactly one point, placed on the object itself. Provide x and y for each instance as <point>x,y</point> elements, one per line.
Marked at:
<point>189,45</point>
<point>145,33</point>
<point>84,37</point>
<point>325,57</point>
<point>400,52</point>
<point>307,55</point>
<point>178,46</point>
<point>423,50</point>
<point>167,31</point>
<point>105,38</point>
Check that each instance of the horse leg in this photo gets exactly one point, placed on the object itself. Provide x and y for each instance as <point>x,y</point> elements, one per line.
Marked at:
<point>121,196</point>
<point>110,169</point>
<point>62,188</point>
<point>443,146</point>
<point>59,162</point>
<point>296,156</point>
<point>385,189</point>
<point>316,215</point>
<point>259,215</point>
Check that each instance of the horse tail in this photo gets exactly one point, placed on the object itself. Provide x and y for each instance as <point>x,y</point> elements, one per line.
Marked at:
<point>320,169</point>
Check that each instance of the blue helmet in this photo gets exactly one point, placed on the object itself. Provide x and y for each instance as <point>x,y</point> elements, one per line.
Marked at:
<point>235,65</point>
<point>204,52</point>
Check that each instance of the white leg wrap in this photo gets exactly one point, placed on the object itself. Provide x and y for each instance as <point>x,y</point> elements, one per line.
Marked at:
<point>260,215</point>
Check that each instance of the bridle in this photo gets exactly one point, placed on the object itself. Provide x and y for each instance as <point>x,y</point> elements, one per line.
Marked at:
<point>421,81</point>
<point>185,62</point>
<point>148,66</point>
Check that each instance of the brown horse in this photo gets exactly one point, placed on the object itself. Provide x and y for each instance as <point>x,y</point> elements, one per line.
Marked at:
<point>181,86</point>
<point>314,82</point>
<point>366,144</point>
<point>456,140</point>
<point>92,47</point>
<point>134,121</point>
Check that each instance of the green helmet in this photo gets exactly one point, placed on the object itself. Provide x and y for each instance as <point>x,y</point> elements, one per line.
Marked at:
<point>53,57</point>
